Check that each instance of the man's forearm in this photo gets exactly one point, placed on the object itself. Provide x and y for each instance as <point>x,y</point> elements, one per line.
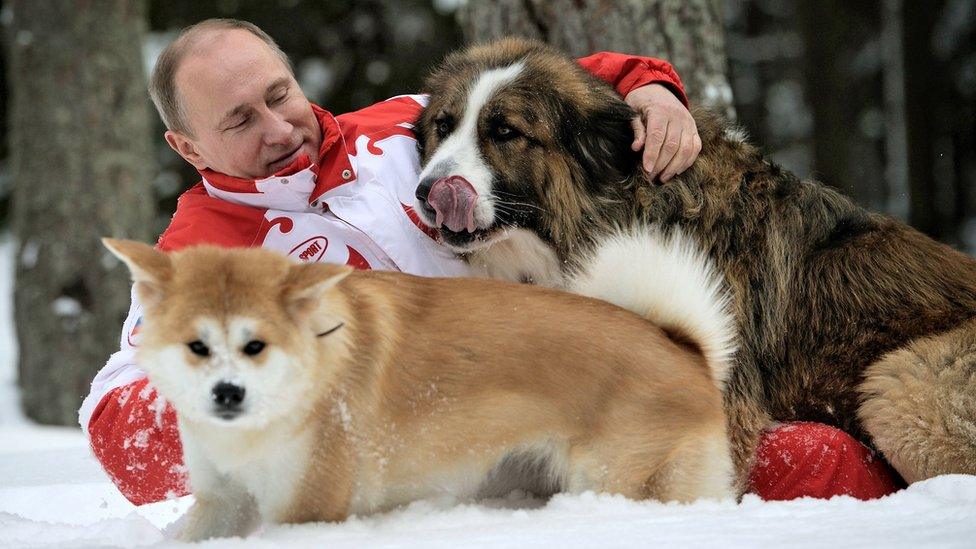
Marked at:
<point>629,72</point>
<point>133,434</point>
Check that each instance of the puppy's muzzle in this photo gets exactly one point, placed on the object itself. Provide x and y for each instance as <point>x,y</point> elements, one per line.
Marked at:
<point>228,399</point>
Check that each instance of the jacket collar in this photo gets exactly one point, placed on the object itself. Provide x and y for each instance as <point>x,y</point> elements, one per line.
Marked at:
<point>297,186</point>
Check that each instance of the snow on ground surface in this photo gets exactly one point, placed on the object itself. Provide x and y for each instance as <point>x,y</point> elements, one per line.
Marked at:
<point>54,494</point>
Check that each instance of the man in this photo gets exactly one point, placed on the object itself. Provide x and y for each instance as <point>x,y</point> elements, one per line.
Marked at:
<point>281,173</point>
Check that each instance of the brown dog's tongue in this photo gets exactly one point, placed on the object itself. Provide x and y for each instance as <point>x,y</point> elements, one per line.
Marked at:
<point>453,201</point>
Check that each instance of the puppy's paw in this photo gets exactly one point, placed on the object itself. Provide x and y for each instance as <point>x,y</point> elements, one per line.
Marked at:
<point>207,520</point>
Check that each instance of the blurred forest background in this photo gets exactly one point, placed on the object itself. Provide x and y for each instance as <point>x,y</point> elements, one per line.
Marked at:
<point>875,97</point>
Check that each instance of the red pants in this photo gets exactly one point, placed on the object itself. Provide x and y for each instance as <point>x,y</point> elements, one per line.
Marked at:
<point>815,460</point>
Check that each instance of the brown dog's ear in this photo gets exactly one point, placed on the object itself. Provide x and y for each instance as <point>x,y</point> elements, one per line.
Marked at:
<point>599,139</point>
<point>306,283</point>
<point>150,268</point>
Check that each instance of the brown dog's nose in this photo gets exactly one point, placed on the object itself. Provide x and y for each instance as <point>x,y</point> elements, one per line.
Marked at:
<point>422,192</point>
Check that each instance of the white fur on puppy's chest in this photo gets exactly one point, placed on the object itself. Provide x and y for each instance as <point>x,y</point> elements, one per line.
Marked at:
<point>269,464</point>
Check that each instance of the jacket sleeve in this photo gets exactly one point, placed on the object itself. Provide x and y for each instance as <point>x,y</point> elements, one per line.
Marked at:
<point>131,430</point>
<point>629,72</point>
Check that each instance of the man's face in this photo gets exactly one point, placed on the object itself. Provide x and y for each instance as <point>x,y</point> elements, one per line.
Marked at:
<point>248,116</point>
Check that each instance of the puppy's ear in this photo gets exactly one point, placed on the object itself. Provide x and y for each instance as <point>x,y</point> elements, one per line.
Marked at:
<point>306,284</point>
<point>150,268</point>
<point>600,140</point>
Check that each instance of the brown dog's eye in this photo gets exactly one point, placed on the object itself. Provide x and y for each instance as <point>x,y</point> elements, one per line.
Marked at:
<point>253,347</point>
<point>443,124</point>
<point>198,348</point>
<point>504,132</point>
<point>443,128</point>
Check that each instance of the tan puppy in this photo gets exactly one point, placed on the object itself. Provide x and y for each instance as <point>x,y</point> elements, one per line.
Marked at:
<point>309,392</point>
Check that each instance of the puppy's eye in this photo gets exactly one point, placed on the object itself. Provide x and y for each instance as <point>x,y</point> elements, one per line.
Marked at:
<point>253,347</point>
<point>198,348</point>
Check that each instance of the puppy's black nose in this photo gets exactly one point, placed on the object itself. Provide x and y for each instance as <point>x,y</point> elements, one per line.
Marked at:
<point>423,191</point>
<point>228,396</point>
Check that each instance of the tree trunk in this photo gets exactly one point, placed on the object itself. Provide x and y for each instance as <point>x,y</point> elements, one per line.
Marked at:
<point>896,131</point>
<point>82,163</point>
<point>687,33</point>
<point>932,200</point>
<point>844,81</point>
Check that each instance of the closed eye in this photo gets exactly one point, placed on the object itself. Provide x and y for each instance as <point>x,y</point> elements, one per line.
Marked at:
<point>279,99</point>
<point>243,122</point>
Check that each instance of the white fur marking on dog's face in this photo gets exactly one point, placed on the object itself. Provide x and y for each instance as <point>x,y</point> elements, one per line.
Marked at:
<point>269,381</point>
<point>459,154</point>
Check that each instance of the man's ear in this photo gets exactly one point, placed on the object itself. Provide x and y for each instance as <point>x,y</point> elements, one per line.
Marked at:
<point>150,268</point>
<point>306,284</point>
<point>185,147</point>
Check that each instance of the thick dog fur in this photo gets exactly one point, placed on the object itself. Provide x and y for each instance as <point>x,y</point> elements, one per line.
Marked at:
<point>368,389</point>
<point>845,317</point>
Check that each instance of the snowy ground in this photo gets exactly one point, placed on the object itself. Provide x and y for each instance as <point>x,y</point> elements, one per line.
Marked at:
<point>53,493</point>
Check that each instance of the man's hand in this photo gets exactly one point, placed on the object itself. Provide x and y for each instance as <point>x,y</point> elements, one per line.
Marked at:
<point>665,129</point>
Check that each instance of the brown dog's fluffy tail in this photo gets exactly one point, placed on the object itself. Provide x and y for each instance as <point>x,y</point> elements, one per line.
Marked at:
<point>670,281</point>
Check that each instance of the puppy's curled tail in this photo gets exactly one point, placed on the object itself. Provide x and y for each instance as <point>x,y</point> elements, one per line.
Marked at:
<point>669,280</point>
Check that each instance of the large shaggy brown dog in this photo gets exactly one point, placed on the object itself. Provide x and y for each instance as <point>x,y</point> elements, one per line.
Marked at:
<point>845,317</point>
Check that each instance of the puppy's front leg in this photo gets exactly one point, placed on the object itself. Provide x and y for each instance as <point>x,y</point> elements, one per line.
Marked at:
<point>227,513</point>
<point>223,508</point>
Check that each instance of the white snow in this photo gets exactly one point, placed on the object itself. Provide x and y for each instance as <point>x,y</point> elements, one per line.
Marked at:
<point>54,494</point>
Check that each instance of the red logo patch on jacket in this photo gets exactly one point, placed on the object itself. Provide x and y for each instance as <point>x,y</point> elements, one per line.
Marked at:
<point>311,250</point>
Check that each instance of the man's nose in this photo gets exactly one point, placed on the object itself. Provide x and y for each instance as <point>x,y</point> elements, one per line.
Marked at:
<point>278,130</point>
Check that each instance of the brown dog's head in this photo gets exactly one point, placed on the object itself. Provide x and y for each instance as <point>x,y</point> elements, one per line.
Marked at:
<point>228,335</point>
<point>516,135</point>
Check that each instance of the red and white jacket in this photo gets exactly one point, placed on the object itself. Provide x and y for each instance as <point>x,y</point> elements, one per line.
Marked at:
<point>351,206</point>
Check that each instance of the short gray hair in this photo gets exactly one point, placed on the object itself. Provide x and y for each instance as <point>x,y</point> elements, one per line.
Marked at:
<point>162,82</point>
